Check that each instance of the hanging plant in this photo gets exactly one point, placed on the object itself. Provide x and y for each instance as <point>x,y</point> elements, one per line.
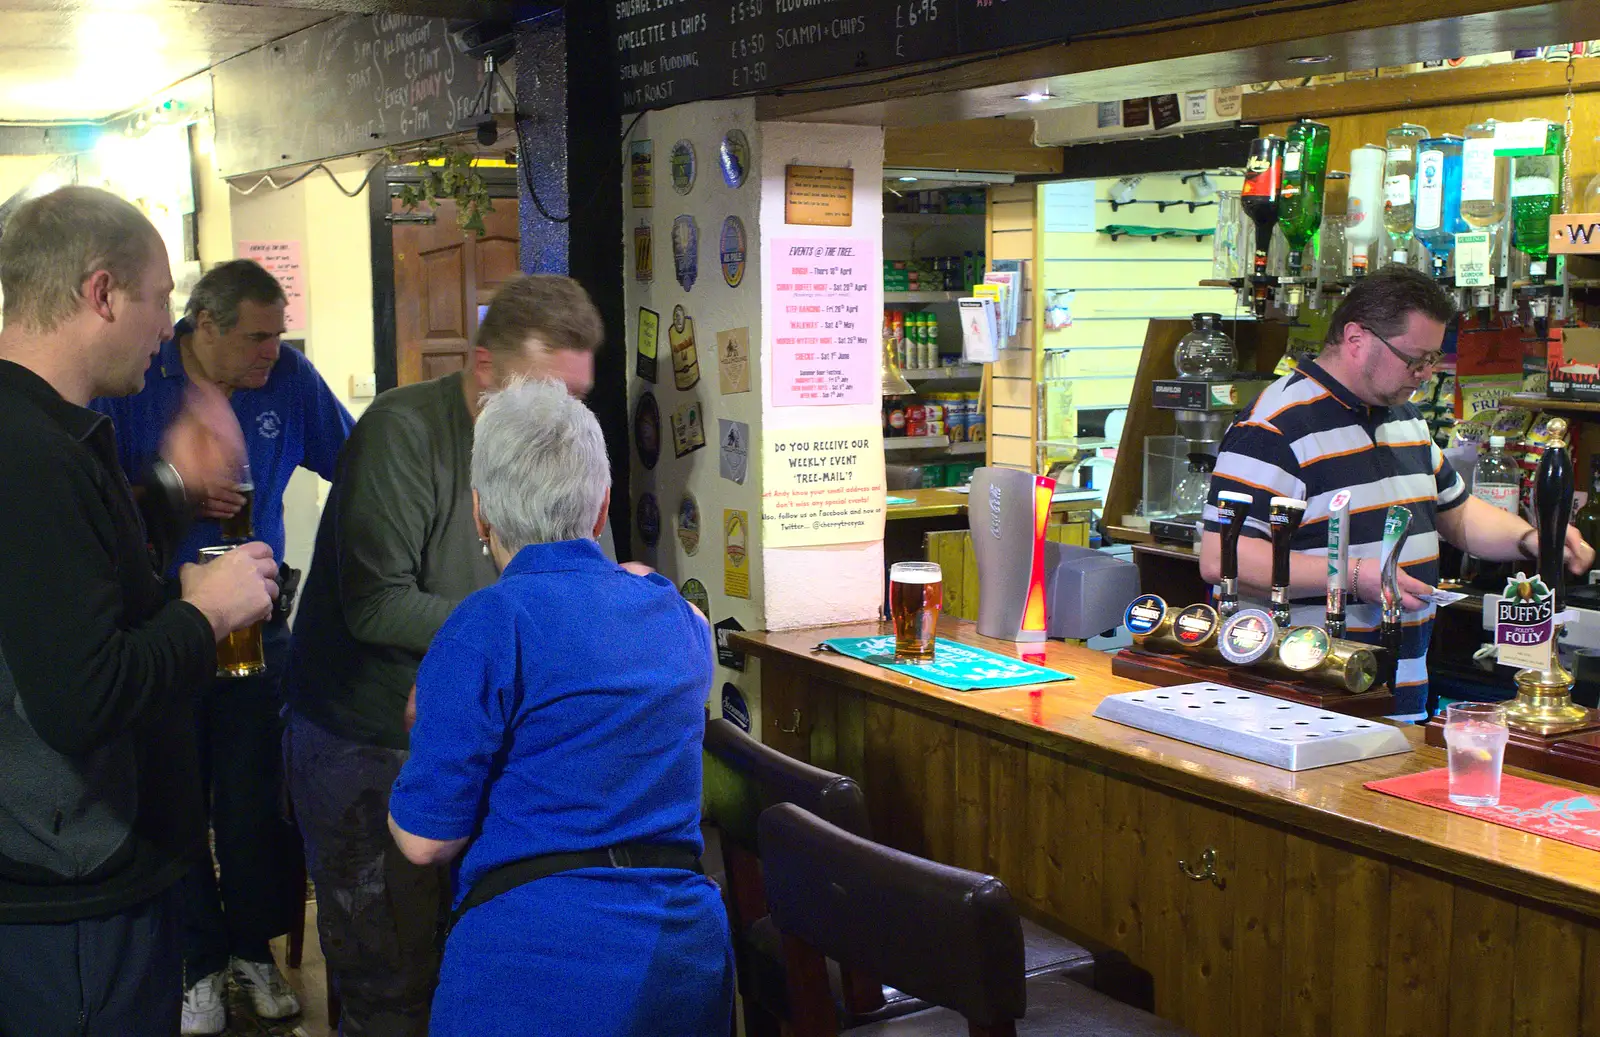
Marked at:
<point>449,174</point>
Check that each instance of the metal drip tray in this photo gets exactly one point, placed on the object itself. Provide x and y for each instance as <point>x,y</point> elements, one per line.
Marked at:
<point>1256,727</point>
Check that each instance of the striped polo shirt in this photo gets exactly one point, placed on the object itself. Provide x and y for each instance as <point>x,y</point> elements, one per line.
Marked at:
<point>1308,437</point>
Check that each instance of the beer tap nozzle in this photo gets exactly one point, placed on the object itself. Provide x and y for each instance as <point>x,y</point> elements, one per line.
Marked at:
<point>1232,509</point>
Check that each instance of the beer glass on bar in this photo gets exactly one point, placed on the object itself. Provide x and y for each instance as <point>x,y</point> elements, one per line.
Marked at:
<point>916,591</point>
<point>241,653</point>
<point>240,527</point>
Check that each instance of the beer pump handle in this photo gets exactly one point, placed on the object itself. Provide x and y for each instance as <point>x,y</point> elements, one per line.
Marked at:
<point>1552,510</point>
<point>1284,517</point>
<point>1395,527</point>
<point>1338,561</point>
<point>1232,510</point>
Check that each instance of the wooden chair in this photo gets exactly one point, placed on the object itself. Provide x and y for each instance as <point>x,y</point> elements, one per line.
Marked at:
<point>743,777</point>
<point>948,936</point>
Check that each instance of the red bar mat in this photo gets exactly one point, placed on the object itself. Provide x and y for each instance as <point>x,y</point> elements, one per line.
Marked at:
<point>1531,806</point>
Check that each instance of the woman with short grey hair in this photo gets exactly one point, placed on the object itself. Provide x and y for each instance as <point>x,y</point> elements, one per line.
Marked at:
<point>560,715</point>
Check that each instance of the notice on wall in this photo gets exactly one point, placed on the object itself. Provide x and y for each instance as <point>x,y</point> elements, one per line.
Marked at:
<point>735,553</point>
<point>820,321</point>
<point>822,486</point>
<point>282,260</point>
<point>818,196</point>
<point>1069,207</point>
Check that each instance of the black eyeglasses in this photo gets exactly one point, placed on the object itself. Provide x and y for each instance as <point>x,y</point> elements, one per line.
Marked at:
<point>1414,364</point>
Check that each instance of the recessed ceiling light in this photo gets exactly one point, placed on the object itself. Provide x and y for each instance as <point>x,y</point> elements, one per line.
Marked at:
<point>1035,96</point>
<point>1311,59</point>
<point>908,180</point>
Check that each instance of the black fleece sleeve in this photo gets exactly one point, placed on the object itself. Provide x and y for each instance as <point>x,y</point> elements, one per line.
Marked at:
<point>82,671</point>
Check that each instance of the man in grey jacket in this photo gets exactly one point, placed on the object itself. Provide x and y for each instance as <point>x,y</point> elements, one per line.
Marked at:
<point>396,551</point>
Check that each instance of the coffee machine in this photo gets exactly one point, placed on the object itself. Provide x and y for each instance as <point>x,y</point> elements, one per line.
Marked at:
<point>1204,399</point>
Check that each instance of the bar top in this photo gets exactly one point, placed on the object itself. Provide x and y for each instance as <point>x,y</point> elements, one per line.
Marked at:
<point>1328,801</point>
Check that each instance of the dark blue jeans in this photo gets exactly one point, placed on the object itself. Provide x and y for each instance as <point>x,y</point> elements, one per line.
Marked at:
<point>113,976</point>
<point>240,735</point>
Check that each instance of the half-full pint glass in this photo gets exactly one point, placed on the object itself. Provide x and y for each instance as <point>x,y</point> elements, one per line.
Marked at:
<point>241,526</point>
<point>241,653</point>
<point>916,591</point>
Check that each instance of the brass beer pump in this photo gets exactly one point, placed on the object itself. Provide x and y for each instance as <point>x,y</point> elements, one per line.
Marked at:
<point>1544,705</point>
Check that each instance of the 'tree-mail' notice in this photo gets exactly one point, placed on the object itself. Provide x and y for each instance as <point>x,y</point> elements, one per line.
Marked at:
<point>822,487</point>
<point>820,319</point>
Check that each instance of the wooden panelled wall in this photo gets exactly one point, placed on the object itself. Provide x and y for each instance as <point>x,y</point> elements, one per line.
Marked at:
<point>1009,383</point>
<point>1297,936</point>
<point>1352,131</point>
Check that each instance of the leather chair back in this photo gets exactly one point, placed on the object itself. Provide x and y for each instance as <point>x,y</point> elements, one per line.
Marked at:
<point>946,935</point>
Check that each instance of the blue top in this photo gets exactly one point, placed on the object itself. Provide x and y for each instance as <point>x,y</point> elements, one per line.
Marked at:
<point>294,421</point>
<point>562,709</point>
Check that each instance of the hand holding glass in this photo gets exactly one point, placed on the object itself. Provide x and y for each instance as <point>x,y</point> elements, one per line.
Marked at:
<point>241,653</point>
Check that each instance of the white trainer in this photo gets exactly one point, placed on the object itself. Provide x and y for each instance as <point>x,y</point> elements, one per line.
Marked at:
<point>269,992</point>
<point>205,1008</point>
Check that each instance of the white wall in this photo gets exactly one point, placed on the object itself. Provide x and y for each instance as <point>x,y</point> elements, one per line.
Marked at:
<point>813,585</point>
<point>714,307</point>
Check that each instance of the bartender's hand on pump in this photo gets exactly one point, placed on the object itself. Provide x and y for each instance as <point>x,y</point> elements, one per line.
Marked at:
<point>1308,574</point>
<point>1483,530</point>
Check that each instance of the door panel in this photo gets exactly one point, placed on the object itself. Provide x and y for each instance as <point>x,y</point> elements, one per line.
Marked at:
<point>442,276</point>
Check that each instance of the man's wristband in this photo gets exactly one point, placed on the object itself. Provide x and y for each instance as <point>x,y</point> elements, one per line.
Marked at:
<point>1522,546</point>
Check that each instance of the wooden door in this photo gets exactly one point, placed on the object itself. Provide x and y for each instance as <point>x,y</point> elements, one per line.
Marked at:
<point>443,276</point>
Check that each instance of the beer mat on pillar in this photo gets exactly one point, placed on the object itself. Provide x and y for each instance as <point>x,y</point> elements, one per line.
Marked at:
<point>1526,805</point>
<point>957,666</point>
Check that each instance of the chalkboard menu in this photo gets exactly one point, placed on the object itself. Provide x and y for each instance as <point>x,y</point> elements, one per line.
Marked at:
<point>351,84</point>
<point>675,51</point>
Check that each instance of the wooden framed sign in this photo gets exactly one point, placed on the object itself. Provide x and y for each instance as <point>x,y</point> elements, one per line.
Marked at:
<point>818,196</point>
<point>1575,234</point>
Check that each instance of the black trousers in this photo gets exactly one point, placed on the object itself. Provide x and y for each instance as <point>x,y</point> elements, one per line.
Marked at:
<point>257,851</point>
<point>113,976</point>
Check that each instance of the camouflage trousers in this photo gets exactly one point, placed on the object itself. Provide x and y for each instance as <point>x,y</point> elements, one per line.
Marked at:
<point>380,917</point>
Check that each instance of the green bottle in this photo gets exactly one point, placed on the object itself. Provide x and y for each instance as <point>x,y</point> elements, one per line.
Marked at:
<point>1535,197</point>
<point>1305,169</point>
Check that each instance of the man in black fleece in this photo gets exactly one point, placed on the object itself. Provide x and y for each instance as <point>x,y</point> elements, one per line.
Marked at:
<point>99,657</point>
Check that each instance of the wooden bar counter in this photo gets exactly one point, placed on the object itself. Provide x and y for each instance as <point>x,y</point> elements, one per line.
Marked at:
<point>1334,910</point>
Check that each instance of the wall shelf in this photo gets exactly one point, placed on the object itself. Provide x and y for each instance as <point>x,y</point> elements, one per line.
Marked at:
<point>963,372</point>
<point>1539,401</point>
<point>959,449</point>
<point>920,297</point>
<point>935,219</point>
<point>916,442</point>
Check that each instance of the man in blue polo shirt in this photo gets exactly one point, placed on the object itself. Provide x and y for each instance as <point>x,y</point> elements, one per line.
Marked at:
<point>1344,422</point>
<point>229,337</point>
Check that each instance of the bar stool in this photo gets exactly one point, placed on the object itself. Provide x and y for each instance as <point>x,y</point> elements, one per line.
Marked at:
<point>946,935</point>
<point>742,777</point>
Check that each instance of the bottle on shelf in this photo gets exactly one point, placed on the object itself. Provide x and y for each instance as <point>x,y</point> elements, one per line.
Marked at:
<point>1535,197</point>
<point>1496,479</point>
<point>1305,169</point>
<point>1438,216</point>
<point>1364,208</point>
<point>1259,198</point>
<point>1400,186</point>
<point>1587,520</point>
<point>1591,194</point>
<point>1485,178</point>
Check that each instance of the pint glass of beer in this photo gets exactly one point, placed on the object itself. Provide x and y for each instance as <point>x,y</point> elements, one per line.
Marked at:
<point>916,591</point>
<point>240,527</point>
<point>241,653</point>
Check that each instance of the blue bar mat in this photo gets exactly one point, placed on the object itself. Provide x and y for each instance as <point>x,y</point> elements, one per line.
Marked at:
<point>956,666</point>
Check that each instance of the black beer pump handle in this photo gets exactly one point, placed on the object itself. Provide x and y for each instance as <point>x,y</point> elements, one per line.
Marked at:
<point>1232,509</point>
<point>1552,510</point>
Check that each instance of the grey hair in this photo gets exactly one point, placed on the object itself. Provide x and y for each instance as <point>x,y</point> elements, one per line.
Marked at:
<point>539,465</point>
<point>225,286</point>
<point>55,242</point>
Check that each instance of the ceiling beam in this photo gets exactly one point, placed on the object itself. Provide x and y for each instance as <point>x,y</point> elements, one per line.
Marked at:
<point>1249,46</point>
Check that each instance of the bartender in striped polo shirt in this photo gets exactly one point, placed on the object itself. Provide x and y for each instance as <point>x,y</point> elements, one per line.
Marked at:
<point>1344,422</point>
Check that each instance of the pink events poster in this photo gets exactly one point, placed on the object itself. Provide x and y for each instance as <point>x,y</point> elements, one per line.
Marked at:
<point>282,260</point>
<point>821,323</point>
